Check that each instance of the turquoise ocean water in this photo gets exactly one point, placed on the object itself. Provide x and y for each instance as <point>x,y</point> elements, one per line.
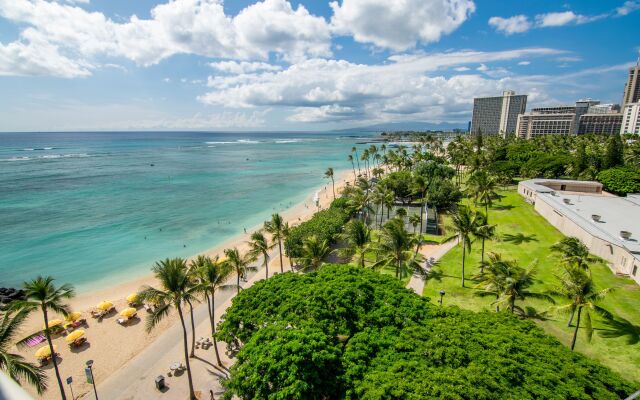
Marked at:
<point>96,208</point>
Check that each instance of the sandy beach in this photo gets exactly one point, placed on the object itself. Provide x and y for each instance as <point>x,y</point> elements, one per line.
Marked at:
<point>110,345</point>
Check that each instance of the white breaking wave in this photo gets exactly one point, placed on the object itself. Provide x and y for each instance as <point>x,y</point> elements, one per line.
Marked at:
<point>47,157</point>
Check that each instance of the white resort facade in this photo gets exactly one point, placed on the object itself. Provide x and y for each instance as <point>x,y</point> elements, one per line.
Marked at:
<point>608,225</point>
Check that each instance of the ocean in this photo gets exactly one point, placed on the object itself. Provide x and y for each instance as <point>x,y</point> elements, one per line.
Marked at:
<point>97,208</point>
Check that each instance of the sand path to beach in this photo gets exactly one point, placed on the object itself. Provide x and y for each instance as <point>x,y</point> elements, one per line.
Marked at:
<point>126,359</point>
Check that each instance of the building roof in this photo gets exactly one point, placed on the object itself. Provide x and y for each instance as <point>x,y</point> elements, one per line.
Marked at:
<point>617,214</point>
<point>538,185</point>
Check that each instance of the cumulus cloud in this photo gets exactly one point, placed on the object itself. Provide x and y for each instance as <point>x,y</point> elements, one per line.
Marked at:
<point>628,7</point>
<point>399,25</point>
<point>511,25</point>
<point>198,27</point>
<point>318,90</point>
<point>524,63</point>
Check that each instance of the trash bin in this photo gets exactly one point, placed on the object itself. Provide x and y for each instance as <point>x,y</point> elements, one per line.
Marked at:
<point>160,382</point>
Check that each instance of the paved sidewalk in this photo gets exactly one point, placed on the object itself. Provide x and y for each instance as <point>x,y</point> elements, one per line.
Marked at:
<point>431,254</point>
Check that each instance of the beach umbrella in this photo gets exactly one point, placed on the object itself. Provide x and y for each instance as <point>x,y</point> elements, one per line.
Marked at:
<point>73,316</point>
<point>104,305</point>
<point>44,351</point>
<point>53,322</point>
<point>75,335</point>
<point>128,312</point>
<point>132,298</point>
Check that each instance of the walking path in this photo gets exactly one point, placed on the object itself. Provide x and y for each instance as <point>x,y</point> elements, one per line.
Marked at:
<point>431,254</point>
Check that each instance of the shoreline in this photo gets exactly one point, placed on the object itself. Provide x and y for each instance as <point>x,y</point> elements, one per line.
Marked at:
<point>88,297</point>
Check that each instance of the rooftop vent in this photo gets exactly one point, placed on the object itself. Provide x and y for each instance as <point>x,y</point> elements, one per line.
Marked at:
<point>626,235</point>
<point>596,217</point>
<point>567,201</point>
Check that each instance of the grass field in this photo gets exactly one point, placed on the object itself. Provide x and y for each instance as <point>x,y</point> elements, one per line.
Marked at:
<point>513,215</point>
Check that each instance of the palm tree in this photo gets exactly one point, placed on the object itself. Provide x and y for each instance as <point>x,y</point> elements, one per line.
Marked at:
<point>516,282</point>
<point>15,365</point>
<point>329,174</point>
<point>313,252</point>
<point>359,201</point>
<point>577,286</point>
<point>42,294</point>
<point>484,232</point>
<point>350,158</point>
<point>239,263</point>
<point>193,283</point>
<point>175,290</point>
<point>465,223</point>
<point>395,249</point>
<point>573,251</point>
<point>491,277</point>
<point>414,220</point>
<point>358,236</point>
<point>401,213</point>
<point>260,247</point>
<point>277,229</point>
<point>212,276</point>
<point>482,187</point>
<point>354,150</point>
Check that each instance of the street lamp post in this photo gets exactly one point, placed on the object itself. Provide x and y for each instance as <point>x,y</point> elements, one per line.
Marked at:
<point>93,381</point>
<point>441,295</point>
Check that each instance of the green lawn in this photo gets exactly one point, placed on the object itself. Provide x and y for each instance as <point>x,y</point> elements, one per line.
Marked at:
<point>514,216</point>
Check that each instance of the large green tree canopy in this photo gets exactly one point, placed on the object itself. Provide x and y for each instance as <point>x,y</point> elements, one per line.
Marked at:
<point>346,332</point>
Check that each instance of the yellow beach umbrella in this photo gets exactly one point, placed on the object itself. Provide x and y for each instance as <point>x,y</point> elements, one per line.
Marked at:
<point>75,335</point>
<point>44,351</point>
<point>128,312</point>
<point>132,298</point>
<point>104,305</point>
<point>73,316</point>
<point>53,322</point>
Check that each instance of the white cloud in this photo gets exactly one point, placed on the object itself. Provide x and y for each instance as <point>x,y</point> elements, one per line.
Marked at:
<point>319,90</point>
<point>243,67</point>
<point>628,7</point>
<point>561,18</point>
<point>399,25</point>
<point>462,69</point>
<point>524,63</point>
<point>74,35</point>
<point>482,68</point>
<point>511,25</point>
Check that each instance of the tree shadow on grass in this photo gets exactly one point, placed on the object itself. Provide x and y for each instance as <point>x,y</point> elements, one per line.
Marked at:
<point>502,207</point>
<point>519,238</point>
<point>620,327</point>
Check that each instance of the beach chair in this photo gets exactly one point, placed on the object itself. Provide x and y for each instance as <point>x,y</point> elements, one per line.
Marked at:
<point>80,341</point>
<point>97,314</point>
<point>148,308</point>
<point>122,321</point>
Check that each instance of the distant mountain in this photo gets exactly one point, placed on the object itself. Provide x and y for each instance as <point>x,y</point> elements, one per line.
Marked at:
<point>407,126</point>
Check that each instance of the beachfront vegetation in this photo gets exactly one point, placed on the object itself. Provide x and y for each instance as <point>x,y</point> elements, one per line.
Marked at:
<point>279,231</point>
<point>174,292</point>
<point>325,225</point>
<point>15,365</point>
<point>41,295</point>
<point>347,332</point>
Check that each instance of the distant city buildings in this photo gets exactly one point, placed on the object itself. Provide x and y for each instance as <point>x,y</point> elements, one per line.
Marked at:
<point>497,115</point>
<point>631,118</point>
<point>506,114</point>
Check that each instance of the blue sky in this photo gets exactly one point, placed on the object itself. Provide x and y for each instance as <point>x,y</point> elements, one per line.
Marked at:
<point>300,65</point>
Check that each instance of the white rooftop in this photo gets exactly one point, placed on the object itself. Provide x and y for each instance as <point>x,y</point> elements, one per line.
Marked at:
<point>617,214</point>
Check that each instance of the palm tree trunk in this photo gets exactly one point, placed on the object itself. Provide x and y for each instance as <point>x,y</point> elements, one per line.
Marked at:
<point>333,187</point>
<point>212,320</point>
<point>464,248</point>
<point>354,172</point>
<point>486,211</point>
<point>47,333</point>
<point>266,266</point>
<point>193,331</point>
<point>497,305</point>
<point>512,305</point>
<point>482,257</point>
<point>280,254</point>
<point>575,331</point>
<point>192,395</point>
<point>573,312</point>
<point>398,268</point>
<point>238,281</point>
